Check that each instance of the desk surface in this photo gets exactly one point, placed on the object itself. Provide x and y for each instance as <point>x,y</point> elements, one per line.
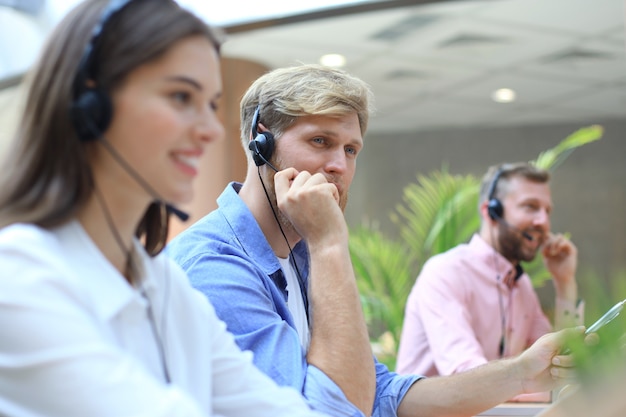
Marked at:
<point>515,409</point>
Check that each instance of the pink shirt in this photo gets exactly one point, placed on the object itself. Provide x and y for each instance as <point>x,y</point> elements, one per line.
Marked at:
<point>453,319</point>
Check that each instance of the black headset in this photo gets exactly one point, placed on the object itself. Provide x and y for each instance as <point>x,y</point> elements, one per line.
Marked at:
<point>262,146</point>
<point>495,209</point>
<point>91,109</point>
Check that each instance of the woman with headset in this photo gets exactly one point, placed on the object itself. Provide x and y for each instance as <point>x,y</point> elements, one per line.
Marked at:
<point>93,321</point>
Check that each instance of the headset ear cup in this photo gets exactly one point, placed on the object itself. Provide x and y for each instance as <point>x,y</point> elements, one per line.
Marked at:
<point>262,147</point>
<point>495,209</point>
<point>91,112</point>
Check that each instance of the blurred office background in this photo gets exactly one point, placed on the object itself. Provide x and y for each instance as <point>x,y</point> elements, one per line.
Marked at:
<point>462,84</point>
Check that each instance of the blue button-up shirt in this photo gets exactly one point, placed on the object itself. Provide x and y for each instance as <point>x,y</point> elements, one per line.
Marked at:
<point>228,258</point>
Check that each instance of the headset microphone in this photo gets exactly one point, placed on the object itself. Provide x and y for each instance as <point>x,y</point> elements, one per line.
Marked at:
<point>182,216</point>
<point>143,183</point>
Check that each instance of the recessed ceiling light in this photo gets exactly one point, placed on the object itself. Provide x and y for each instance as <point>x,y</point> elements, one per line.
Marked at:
<point>504,95</point>
<point>333,60</point>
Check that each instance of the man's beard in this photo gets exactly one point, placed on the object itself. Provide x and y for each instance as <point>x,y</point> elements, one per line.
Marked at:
<point>284,222</point>
<point>511,244</point>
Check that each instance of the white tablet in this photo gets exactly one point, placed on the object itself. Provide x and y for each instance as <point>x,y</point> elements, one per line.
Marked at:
<point>515,409</point>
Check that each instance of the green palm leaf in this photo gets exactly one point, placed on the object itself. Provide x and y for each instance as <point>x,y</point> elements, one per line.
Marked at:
<point>554,157</point>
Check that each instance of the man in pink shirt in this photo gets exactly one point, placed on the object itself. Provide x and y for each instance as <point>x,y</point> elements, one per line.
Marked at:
<point>473,303</point>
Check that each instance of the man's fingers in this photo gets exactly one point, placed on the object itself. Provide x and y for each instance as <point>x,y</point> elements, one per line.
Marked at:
<point>282,179</point>
<point>564,375</point>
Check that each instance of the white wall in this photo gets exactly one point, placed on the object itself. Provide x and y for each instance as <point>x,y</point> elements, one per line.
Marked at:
<point>10,105</point>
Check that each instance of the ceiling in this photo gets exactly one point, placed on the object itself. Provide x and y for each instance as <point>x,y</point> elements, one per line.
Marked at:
<point>434,66</point>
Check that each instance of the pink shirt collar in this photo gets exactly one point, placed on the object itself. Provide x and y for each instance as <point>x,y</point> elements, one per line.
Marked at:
<point>505,270</point>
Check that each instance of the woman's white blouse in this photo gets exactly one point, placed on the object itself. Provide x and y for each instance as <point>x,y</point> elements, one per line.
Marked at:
<point>77,340</point>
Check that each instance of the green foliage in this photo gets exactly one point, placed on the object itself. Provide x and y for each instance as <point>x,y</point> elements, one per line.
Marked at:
<point>600,360</point>
<point>382,267</point>
<point>437,212</point>
<point>554,157</point>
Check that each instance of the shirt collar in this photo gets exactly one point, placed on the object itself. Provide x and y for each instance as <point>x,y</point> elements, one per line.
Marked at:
<point>251,238</point>
<point>110,292</point>
<point>506,271</point>
<point>246,229</point>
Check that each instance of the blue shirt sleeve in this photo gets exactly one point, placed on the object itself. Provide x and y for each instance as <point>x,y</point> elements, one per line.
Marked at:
<point>390,390</point>
<point>256,312</point>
